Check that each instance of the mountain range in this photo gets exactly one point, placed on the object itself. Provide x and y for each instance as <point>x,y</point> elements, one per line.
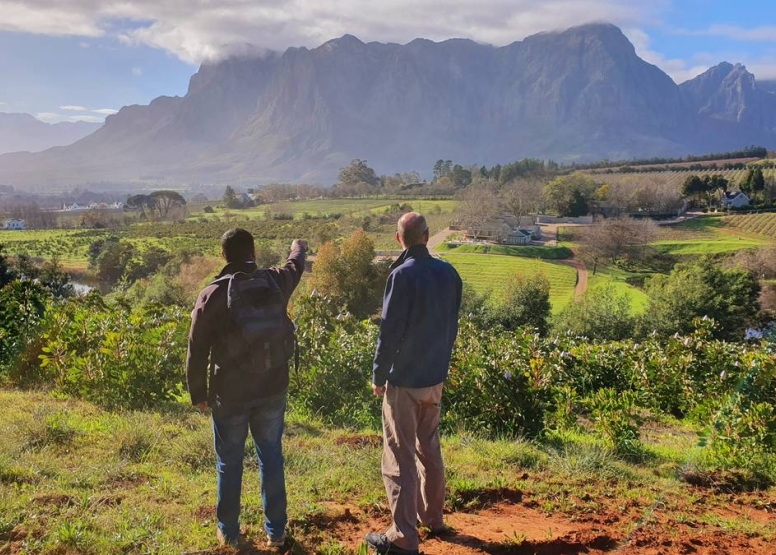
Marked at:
<point>23,132</point>
<point>574,95</point>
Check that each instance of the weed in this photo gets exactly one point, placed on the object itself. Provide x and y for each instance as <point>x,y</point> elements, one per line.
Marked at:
<point>47,427</point>
<point>72,533</point>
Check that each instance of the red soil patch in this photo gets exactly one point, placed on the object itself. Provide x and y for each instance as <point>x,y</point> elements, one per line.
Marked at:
<point>511,525</point>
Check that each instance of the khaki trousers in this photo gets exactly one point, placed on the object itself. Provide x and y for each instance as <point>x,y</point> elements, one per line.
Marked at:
<point>412,466</point>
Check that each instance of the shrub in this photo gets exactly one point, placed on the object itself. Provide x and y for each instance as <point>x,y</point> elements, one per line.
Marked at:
<point>600,313</point>
<point>616,420</point>
<point>112,355</point>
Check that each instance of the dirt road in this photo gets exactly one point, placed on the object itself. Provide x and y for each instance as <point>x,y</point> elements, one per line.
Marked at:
<point>439,238</point>
<point>582,274</point>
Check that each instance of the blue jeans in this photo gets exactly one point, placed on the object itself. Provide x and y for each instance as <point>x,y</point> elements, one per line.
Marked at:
<point>230,429</point>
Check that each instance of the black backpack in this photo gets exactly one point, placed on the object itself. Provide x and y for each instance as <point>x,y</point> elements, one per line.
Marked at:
<point>261,335</point>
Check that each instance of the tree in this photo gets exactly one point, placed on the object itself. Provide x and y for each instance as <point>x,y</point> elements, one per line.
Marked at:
<point>113,259</point>
<point>600,313</point>
<point>522,196</point>
<point>438,165</point>
<point>477,209</point>
<point>757,182</point>
<point>347,274</point>
<point>164,201</point>
<point>698,289</point>
<point>615,239</point>
<point>526,302</point>
<point>358,176</point>
<point>693,186</point>
<point>568,195</point>
<point>230,198</point>
<point>142,203</point>
<point>461,176</point>
<point>753,183</point>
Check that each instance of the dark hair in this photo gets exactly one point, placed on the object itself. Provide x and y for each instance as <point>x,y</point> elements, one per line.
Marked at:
<point>237,245</point>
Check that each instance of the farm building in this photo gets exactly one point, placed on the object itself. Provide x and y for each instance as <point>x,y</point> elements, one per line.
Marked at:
<point>13,224</point>
<point>735,200</point>
<point>507,230</point>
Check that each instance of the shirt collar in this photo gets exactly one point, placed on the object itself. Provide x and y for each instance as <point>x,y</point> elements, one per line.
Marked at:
<point>415,251</point>
<point>234,267</point>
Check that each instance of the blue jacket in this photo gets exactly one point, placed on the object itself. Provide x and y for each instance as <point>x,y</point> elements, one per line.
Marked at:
<point>420,321</point>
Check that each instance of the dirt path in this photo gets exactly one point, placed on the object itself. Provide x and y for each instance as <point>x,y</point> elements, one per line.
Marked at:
<point>582,274</point>
<point>439,238</point>
<point>518,526</point>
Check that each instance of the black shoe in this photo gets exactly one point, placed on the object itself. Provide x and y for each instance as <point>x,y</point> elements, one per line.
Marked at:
<point>381,544</point>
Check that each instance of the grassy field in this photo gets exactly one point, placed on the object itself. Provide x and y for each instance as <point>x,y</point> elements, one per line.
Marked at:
<point>544,253</point>
<point>709,235</point>
<point>69,246</point>
<point>77,479</point>
<point>490,273</point>
<point>324,207</point>
<point>615,278</point>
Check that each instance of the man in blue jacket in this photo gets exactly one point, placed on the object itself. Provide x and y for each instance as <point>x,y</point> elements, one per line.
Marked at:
<point>418,329</point>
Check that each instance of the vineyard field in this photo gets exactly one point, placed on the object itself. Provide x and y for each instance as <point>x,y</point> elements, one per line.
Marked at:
<point>490,274</point>
<point>320,208</point>
<point>673,178</point>
<point>758,224</point>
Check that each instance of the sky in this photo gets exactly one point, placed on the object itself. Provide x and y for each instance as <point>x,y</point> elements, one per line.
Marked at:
<point>82,60</point>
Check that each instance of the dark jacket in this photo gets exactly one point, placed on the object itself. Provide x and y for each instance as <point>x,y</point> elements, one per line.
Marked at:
<point>420,321</point>
<point>209,325</point>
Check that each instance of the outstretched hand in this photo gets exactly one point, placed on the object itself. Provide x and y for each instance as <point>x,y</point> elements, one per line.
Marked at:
<point>299,243</point>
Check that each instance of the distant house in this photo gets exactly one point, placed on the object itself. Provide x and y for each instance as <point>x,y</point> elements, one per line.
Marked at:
<point>13,224</point>
<point>506,230</point>
<point>735,200</point>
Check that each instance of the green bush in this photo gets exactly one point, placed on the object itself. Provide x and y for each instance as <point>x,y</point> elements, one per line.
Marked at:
<point>112,355</point>
<point>616,420</point>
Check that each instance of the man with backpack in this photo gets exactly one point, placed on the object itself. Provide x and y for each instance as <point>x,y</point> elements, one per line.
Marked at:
<point>240,342</point>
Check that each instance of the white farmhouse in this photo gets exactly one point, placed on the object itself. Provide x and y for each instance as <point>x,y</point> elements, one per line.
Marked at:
<point>13,224</point>
<point>735,200</point>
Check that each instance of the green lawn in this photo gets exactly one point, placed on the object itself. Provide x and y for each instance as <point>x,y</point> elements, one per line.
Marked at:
<point>546,253</point>
<point>701,246</point>
<point>490,274</point>
<point>616,279</point>
<point>707,235</point>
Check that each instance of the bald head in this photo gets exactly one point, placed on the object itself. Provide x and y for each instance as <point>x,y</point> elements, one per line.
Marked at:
<point>412,230</point>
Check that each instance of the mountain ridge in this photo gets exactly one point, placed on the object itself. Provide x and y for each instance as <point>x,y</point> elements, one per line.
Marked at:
<point>578,94</point>
<point>20,132</point>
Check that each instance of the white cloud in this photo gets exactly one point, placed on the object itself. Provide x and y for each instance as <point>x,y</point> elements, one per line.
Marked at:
<point>53,117</point>
<point>74,108</point>
<point>213,29</point>
<point>49,117</point>
<point>765,33</point>
<point>88,119</point>
<point>105,111</point>
<point>678,69</point>
<point>137,71</point>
